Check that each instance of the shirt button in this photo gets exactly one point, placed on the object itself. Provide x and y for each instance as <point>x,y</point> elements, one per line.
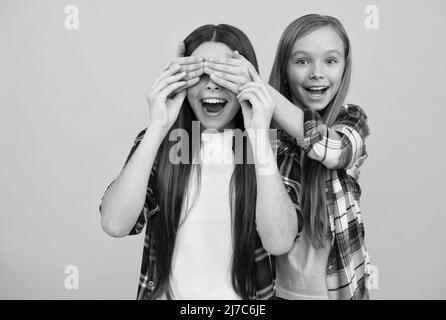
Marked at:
<point>150,283</point>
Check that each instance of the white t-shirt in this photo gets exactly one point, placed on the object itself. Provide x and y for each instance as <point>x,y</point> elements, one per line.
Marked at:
<point>201,263</point>
<point>301,274</point>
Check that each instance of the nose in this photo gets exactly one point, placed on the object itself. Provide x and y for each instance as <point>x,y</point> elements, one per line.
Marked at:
<point>316,72</point>
<point>211,85</point>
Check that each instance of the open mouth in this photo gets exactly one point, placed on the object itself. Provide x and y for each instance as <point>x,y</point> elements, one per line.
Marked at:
<point>213,106</point>
<point>316,91</point>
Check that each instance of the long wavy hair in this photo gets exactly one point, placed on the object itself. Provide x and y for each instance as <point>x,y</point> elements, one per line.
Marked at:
<point>314,204</point>
<point>172,183</point>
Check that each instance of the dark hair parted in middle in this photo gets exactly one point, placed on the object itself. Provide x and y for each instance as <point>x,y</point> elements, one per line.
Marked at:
<point>172,182</point>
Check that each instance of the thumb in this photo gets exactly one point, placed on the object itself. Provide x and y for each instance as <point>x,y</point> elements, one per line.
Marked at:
<point>246,110</point>
<point>181,49</point>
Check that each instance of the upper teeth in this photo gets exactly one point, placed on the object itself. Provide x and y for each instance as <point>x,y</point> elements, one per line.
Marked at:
<point>214,100</point>
<point>317,88</point>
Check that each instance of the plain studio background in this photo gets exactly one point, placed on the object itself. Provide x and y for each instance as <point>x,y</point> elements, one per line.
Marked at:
<point>72,102</point>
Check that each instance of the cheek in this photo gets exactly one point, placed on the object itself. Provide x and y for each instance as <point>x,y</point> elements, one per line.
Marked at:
<point>336,75</point>
<point>235,105</point>
<point>295,75</point>
<point>192,94</point>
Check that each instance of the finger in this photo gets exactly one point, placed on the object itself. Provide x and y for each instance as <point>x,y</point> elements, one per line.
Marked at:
<point>169,68</point>
<point>172,70</point>
<point>167,81</point>
<point>191,82</point>
<point>194,74</point>
<point>224,83</point>
<point>246,61</point>
<point>187,60</point>
<point>181,49</point>
<point>222,67</point>
<point>250,85</point>
<point>260,86</point>
<point>188,84</point>
<point>251,97</point>
<point>228,61</point>
<point>246,110</point>
<point>191,67</point>
<point>237,55</point>
<point>253,93</point>
<point>225,76</point>
<point>171,88</point>
<point>254,75</point>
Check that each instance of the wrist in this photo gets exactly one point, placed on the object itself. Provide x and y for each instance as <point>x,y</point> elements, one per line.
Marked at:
<point>258,135</point>
<point>157,131</point>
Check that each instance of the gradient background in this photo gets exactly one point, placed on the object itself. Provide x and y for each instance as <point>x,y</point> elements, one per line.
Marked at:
<point>72,102</point>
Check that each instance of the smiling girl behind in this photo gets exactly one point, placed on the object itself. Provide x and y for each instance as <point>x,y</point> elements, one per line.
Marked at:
<point>309,82</point>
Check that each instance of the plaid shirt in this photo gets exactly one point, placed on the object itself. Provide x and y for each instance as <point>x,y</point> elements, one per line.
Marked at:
<point>264,262</point>
<point>342,150</point>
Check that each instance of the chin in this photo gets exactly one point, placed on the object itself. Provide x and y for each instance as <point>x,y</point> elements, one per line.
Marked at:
<point>213,124</point>
<point>318,106</point>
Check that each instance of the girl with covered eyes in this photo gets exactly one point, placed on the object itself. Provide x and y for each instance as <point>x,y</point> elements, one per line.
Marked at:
<point>309,82</point>
<point>211,224</point>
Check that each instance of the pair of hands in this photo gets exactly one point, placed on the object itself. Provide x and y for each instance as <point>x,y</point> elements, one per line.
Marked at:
<point>236,74</point>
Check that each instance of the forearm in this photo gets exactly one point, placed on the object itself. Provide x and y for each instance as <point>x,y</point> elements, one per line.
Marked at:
<point>124,199</point>
<point>338,146</point>
<point>275,212</point>
<point>287,116</point>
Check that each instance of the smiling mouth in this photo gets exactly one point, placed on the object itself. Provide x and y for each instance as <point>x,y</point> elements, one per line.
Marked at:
<point>316,91</point>
<point>213,106</point>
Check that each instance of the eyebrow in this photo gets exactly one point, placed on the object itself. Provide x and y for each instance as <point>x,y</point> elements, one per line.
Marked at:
<point>308,53</point>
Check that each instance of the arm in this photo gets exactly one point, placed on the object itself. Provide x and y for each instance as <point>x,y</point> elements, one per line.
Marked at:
<point>275,212</point>
<point>124,199</point>
<point>287,116</point>
<point>277,222</point>
<point>340,146</point>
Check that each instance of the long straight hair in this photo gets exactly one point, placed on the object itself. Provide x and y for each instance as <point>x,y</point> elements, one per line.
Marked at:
<point>172,183</point>
<point>314,174</point>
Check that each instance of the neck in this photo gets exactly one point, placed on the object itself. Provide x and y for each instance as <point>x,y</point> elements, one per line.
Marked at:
<point>229,126</point>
